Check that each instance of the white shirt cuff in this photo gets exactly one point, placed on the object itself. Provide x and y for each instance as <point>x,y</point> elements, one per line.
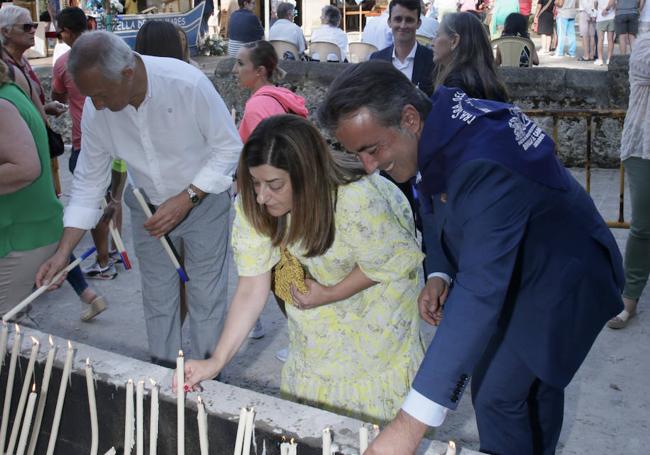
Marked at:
<point>442,275</point>
<point>426,411</point>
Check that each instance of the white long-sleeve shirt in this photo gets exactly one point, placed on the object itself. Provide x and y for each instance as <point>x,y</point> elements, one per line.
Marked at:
<point>181,134</point>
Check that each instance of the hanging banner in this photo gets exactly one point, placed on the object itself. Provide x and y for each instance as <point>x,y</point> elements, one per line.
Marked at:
<point>126,26</point>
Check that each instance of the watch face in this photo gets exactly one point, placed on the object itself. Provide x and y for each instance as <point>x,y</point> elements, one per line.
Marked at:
<point>194,199</point>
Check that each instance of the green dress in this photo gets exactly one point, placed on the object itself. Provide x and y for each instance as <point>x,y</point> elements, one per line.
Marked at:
<point>356,356</point>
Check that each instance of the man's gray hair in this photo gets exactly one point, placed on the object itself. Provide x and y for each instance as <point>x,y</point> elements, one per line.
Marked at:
<point>102,50</point>
<point>284,9</point>
<point>9,16</point>
<point>332,15</point>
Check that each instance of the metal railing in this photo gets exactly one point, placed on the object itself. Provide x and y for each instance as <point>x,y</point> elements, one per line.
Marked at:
<point>589,115</point>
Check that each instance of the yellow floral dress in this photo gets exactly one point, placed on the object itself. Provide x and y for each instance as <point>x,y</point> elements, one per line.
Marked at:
<point>356,356</point>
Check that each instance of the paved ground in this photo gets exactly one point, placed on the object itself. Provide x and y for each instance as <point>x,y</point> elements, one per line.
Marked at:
<point>607,404</point>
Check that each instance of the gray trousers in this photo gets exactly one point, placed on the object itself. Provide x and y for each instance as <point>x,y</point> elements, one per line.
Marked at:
<point>205,234</point>
<point>637,249</point>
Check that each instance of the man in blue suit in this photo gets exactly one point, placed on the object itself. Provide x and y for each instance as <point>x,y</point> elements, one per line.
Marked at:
<point>412,59</point>
<point>524,265</point>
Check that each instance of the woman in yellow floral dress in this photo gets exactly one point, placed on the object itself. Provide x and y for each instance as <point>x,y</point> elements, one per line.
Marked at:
<point>354,331</point>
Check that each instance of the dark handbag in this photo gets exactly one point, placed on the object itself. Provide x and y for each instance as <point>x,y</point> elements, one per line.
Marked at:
<point>55,141</point>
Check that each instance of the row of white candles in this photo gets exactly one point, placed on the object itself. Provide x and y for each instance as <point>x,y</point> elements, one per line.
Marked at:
<point>26,404</point>
<point>244,430</point>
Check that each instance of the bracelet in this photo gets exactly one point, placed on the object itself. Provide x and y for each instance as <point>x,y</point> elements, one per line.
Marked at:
<point>110,195</point>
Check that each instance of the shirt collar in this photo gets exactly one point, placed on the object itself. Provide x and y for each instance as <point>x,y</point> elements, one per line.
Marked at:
<point>411,55</point>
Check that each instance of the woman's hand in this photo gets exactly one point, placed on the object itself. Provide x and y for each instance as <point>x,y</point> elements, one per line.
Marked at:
<point>55,108</point>
<point>195,372</point>
<point>317,295</point>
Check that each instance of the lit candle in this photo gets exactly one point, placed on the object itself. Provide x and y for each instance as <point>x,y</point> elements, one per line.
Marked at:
<point>90,385</point>
<point>128,418</point>
<point>10,387</point>
<point>180,403</point>
<point>293,448</point>
<point>153,419</point>
<point>239,440</point>
<point>375,431</point>
<point>139,417</point>
<point>67,367</point>
<point>111,451</point>
<point>28,422</point>
<point>40,408</point>
<point>451,449</point>
<point>248,431</point>
<point>363,439</point>
<point>18,418</point>
<point>327,441</point>
<point>3,343</point>
<point>202,419</point>
<point>284,447</point>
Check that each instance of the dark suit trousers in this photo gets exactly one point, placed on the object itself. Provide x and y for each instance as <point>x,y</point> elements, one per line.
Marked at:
<point>516,413</point>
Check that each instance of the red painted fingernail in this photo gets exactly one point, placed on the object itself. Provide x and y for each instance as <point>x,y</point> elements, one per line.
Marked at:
<point>186,388</point>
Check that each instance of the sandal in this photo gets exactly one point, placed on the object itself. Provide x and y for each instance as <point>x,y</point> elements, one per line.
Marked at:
<point>621,319</point>
<point>93,308</point>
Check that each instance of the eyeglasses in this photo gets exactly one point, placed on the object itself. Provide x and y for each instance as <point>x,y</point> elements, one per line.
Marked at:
<point>27,27</point>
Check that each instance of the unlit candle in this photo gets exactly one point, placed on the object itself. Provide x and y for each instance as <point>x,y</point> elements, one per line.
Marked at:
<point>92,406</point>
<point>180,403</point>
<point>67,367</point>
<point>10,387</point>
<point>27,422</point>
<point>202,419</point>
<point>153,419</point>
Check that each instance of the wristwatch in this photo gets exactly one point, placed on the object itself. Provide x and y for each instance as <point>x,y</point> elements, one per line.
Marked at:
<point>194,198</point>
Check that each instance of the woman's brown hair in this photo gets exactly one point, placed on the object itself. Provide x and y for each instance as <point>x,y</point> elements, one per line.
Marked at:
<point>293,144</point>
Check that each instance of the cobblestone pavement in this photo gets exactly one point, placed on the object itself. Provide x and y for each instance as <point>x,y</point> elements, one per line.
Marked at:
<point>607,404</point>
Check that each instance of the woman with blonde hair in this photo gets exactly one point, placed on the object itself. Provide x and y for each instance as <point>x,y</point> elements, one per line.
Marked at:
<point>347,263</point>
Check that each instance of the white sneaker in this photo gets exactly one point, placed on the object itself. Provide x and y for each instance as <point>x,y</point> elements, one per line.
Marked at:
<point>258,331</point>
<point>599,62</point>
<point>282,355</point>
<point>97,272</point>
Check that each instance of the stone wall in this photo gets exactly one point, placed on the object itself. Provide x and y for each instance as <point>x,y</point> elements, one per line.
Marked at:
<point>536,88</point>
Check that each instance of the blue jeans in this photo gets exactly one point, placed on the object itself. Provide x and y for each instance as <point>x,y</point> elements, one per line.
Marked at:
<point>566,28</point>
<point>76,278</point>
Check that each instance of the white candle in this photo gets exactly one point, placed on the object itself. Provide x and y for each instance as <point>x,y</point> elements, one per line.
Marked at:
<point>293,448</point>
<point>28,422</point>
<point>248,431</point>
<point>451,449</point>
<point>239,440</point>
<point>153,419</point>
<point>40,408</point>
<point>180,403</point>
<point>67,367</point>
<point>111,451</point>
<point>202,419</point>
<point>139,417</point>
<point>3,343</point>
<point>92,405</point>
<point>327,442</point>
<point>128,418</point>
<point>10,387</point>
<point>18,418</point>
<point>284,448</point>
<point>363,439</point>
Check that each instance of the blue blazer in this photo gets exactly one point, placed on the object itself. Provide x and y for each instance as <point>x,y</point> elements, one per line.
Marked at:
<point>422,66</point>
<point>532,265</point>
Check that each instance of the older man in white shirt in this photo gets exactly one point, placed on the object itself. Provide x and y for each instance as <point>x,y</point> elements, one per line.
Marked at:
<point>284,29</point>
<point>330,31</point>
<point>377,32</point>
<point>167,121</point>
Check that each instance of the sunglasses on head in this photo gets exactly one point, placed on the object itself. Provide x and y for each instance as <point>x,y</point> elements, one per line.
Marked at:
<point>28,27</point>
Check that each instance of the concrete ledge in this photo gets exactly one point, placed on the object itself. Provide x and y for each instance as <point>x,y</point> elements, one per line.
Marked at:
<point>274,417</point>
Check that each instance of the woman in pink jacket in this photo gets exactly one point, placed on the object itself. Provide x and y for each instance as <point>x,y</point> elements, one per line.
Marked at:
<point>256,68</point>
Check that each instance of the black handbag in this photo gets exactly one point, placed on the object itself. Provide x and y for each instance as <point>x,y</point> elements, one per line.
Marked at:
<point>55,141</point>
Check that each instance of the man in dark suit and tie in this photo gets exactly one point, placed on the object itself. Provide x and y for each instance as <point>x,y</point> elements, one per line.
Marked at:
<point>526,268</point>
<point>406,54</point>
